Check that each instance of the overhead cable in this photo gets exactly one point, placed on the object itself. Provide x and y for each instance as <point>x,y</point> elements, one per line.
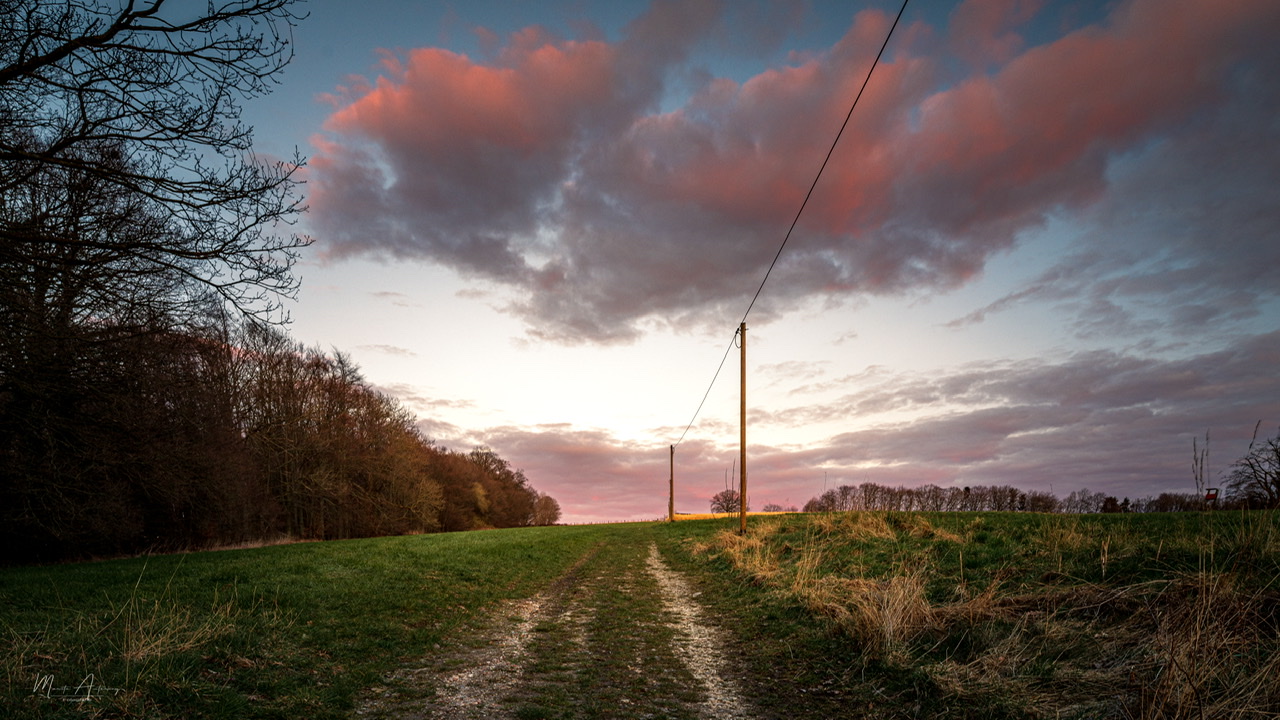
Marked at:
<point>796,220</point>
<point>827,159</point>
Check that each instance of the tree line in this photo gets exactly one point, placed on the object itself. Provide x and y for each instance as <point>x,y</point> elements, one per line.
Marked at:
<point>161,440</point>
<point>149,397</point>
<point>1252,482</point>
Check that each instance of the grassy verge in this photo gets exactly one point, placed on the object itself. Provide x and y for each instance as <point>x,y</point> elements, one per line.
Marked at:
<point>1002,615</point>
<point>275,632</point>
<point>842,615</point>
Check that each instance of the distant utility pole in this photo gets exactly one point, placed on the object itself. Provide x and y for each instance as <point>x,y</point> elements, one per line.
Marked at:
<point>671,498</point>
<point>742,436</point>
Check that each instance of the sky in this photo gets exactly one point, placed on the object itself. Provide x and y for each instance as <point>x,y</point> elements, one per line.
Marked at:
<point>1043,252</point>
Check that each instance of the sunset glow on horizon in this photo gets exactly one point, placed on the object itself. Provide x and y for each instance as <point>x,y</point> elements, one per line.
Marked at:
<point>1043,254</point>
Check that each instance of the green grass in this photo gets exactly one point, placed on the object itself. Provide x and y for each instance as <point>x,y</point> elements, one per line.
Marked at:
<point>1013,615</point>
<point>274,632</point>
<point>613,654</point>
<point>981,615</point>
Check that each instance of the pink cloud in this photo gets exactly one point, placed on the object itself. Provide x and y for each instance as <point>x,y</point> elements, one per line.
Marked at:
<point>982,31</point>
<point>553,150</point>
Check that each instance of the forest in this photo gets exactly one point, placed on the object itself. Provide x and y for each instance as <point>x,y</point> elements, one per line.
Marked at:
<point>150,396</point>
<point>123,440</point>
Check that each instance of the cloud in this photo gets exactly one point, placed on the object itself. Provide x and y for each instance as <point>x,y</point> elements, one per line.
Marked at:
<point>1114,422</point>
<point>550,170</point>
<point>388,350</point>
<point>398,299</point>
<point>422,402</point>
<point>982,31</point>
<point>1198,214</point>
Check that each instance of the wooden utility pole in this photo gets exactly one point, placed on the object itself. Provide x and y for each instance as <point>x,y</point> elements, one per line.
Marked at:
<point>742,437</point>
<point>671,497</point>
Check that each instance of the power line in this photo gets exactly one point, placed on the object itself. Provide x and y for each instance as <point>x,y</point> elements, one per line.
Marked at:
<point>708,392</point>
<point>827,159</point>
<point>796,220</point>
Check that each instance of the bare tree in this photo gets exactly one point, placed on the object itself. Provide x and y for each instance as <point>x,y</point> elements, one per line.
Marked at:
<point>1040,501</point>
<point>1255,478</point>
<point>726,501</point>
<point>142,99</point>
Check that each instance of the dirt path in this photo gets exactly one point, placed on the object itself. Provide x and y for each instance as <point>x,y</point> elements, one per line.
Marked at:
<point>620,635</point>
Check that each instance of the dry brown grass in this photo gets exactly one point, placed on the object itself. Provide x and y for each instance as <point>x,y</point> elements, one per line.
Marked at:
<point>140,630</point>
<point>918,526</point>
<point>1209,656</point>
<point>1195,645</point>
<point>882,613</point>
<point>749,553</point>
<point>1061,535</point>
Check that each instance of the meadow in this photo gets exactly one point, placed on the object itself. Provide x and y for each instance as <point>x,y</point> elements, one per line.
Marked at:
<point>1161,615</point>
<point>286,631</point>
<point>829,615</point>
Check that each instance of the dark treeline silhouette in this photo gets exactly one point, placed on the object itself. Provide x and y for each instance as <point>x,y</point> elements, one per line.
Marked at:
<point>148,399</point>
<point>1002,498</point>
<point>163,440</point>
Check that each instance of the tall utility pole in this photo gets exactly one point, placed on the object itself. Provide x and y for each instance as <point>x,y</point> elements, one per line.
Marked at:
<point>671,497</point>
<point>742,437</point>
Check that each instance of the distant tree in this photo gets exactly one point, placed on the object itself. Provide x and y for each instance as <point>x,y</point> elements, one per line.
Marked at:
<point>1171,502</point>
<point>773,507</point>
<point>1255,478</point>
<point>1040,501</point>
<point>546,511</point>
<point>1083,501</point>
<point>817,504</point>
<point>1110,505</point>
<point>931,498</point>
<point>726,501</point>
<point>510,498</point>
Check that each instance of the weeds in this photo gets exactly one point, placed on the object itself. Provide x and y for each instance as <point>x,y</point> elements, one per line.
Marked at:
<point>1213,654</point>
<point>140,629</point>
<point>1135,616</point>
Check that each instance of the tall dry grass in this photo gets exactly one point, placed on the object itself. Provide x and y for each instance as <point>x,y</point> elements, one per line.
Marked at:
<point>132,640</point>
<point>1167,644</point>
<point>1214,652</point>
<point>882,613</point>
<point>142,629</point>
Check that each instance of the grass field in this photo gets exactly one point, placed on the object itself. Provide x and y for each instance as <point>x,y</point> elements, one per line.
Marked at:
<point>1026,615</point>
<point>288,631</point>
<point>841,615</point>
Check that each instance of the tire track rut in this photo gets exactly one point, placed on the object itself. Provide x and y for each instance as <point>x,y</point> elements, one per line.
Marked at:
<point>620,635</point>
